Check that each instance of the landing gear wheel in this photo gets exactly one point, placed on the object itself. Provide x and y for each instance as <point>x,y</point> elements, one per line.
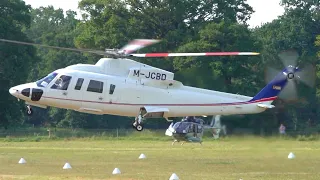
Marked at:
<point>139,127</point>
<point>29,111</point>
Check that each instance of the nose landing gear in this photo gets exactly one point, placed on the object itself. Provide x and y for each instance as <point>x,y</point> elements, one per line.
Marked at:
<point>29,110</point>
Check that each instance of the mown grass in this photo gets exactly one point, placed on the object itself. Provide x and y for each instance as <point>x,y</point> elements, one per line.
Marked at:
<point>245,157</point>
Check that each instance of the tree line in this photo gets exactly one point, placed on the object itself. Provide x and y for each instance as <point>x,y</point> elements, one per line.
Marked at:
<point>183,26</point>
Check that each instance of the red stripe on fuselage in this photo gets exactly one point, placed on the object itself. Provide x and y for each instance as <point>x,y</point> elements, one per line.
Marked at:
<point>130,104</point>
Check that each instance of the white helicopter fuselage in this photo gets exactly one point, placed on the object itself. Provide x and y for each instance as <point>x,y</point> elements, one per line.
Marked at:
<point>110,88</point>
<point>129,96</point>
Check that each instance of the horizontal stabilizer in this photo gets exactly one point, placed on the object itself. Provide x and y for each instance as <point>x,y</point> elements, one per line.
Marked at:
<point>155,112</point>
<point>266,106</point>
<point>152,109</point>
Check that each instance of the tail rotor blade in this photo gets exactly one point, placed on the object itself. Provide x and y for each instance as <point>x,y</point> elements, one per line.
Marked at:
<point>289,58</point>
<point>290,91</point>
<point>307,75</point>
<point>271,73</point>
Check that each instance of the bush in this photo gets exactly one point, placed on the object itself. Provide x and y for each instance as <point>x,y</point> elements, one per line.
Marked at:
<point>307,138</point>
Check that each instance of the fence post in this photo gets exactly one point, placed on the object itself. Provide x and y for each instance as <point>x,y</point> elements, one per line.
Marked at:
<point>117,133</point>
<point>49,130</point>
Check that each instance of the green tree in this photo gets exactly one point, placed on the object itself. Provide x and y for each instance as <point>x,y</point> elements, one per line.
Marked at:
<point>15,59</point>
<point>50,26</point>
<point>233,71</point>
<point>317,43</point>
<point>113,23</point>
<point>301,4</point>
<point>296,29</point>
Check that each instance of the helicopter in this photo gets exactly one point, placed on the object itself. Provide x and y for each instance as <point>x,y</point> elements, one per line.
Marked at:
<point>118,85</point>
<point>191,129</point>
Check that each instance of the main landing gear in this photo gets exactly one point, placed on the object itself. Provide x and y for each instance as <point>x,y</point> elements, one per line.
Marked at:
<point>29,110</point>
<point>137,124</point>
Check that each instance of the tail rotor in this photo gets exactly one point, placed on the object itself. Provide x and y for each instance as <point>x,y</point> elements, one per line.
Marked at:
<point>293,74</point>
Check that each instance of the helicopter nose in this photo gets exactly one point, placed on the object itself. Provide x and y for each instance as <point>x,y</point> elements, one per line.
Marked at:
<point>20,90</point>
<point>14,91</point>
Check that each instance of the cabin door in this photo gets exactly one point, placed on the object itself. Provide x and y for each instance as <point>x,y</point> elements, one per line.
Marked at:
<point>75,92</point>
<point>94,95</point>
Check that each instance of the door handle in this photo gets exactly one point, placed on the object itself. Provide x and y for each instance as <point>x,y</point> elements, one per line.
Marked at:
<point>65,93</point>
<point>100,98</point>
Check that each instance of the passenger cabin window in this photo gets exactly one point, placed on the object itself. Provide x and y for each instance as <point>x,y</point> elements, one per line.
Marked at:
<point>62,83</point>
<point>79,84</point>
<point>112,87</point>
<point>95,86</point>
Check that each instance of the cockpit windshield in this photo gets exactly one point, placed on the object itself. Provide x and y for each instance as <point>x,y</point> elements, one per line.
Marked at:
<point>46,80</point>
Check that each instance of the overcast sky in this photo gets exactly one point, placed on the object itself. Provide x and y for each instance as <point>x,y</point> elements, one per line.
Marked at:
<point>266,10</point>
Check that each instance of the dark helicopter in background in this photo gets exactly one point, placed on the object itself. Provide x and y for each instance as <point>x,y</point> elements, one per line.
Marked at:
<point>191,129</point>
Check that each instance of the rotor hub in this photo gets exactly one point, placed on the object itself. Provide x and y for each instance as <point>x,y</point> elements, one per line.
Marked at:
<point>290,75</point>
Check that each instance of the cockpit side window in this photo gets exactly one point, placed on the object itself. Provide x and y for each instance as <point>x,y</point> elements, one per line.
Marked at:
<point>46,80</point>
<point>62,83</point>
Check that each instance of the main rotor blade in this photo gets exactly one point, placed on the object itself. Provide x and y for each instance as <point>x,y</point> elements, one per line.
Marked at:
<point>137,44</point>
<point>290,91</point>
<point>196,54</point>
<point>289,57</point>
<point>55,47</point>
<point>307,75</point>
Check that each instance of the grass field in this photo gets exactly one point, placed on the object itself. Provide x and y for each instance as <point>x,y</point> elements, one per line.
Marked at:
<point>229,158</point>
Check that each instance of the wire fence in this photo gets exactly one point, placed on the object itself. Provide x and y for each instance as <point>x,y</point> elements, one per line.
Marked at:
<point>65,132</point>
<point>131,133</point>
<point>87,133</point>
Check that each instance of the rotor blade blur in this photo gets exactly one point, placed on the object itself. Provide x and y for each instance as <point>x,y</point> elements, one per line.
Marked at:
<point>196,54</point>
<point>55,47</point>
<point>290,91</point>
<point>289,58</point>
<point>271,73</point>
<point>137,44</point>
<point>307,75</point>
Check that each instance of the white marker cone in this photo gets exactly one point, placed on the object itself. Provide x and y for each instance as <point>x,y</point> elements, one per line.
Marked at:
<point>116,171</point>
<point>22,161</point>
<point>174,177</point>
<point>67,166</point>
<point>142,156</point>
<point>291,156</point>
